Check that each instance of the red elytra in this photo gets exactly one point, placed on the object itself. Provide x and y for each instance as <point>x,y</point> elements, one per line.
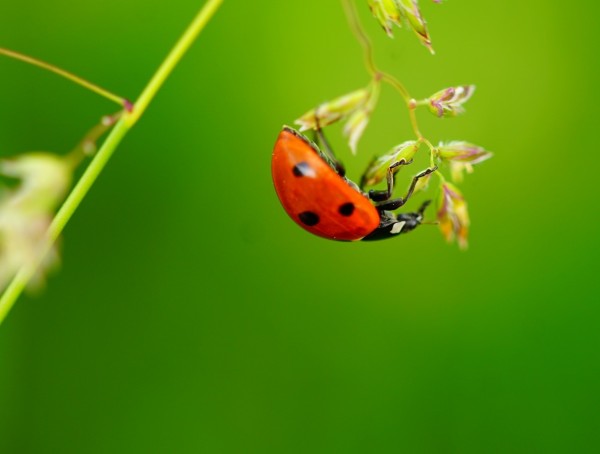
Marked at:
<point>315,196</point>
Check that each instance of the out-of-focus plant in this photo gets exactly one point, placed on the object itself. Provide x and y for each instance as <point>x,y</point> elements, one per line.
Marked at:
<point>26,211</point>
<point>356,107</point>
<point>397,12</point>
<point>461,156</point>
<point>452,214</point>
<point>29,222</point>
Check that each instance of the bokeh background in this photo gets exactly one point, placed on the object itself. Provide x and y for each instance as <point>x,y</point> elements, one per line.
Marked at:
<point>191,315</point>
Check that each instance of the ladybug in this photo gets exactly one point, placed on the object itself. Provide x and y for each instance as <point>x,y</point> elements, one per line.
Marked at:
<point>314,191</point>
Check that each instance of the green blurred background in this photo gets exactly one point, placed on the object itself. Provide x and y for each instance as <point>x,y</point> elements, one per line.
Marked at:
<point>192,315</point>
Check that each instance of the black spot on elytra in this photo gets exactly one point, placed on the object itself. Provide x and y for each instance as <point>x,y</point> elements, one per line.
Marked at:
<point>303,169</point>
<point>309,218</point>
<point>346,209</point>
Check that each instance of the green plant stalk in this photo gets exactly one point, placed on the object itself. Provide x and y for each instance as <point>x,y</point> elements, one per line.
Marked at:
<point>378,75</point>
<point>67,75</point>
<point>129,119</point>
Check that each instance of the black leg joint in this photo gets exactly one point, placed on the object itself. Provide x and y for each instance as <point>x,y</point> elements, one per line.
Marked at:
<point>390,205</point>
<point>378,196</point>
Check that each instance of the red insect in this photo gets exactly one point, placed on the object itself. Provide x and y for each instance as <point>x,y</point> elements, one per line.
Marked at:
<point>314,191</point>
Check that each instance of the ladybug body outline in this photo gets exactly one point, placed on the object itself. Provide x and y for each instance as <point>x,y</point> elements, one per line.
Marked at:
<point>315,193</point>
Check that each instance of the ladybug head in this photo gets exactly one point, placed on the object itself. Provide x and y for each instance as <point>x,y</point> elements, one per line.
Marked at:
<point>392,224</point>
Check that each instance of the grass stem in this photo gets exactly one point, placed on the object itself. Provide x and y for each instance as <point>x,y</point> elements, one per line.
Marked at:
<point>98,163</point>
<point>67,75</point>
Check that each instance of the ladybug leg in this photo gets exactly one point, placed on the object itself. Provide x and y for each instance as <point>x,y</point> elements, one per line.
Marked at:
<point>381,196</point>
<point>390,205</point>
<point>423,207</point>
<point>323,143</point>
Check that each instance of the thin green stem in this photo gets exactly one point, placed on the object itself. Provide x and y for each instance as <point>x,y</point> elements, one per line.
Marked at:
<point>184,43</point>
<point>414,122</point>
<point>88,145</point>
<point>365,42</point>
<point>432,151</point>
<point>360,34</point>
<point>399,86</point>
<point>19,282</point>
<point>77,194</point>
<point>67,75</point>
<point>377,74</point>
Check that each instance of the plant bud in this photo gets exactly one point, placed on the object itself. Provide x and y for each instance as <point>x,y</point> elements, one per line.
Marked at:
<point>449,102</point>
<point>331,111</point>
<point>387,12</point>
<point>411,12</point>
<point>377,170</point>
<point>453,215</point>
<point>462,156</point>
<point>27,209</point>
<point>359,119</point>
<point>356,125</point>
<point>423,183</point>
